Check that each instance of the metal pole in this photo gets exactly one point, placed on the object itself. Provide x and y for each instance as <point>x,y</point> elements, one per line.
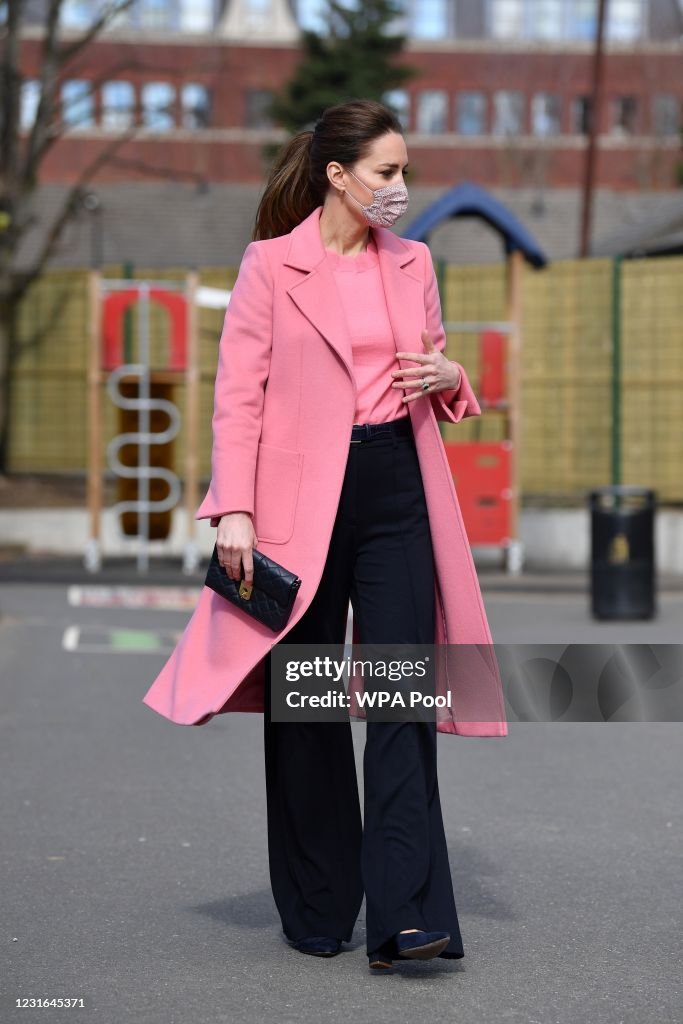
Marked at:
<point>128,271</point>
<point>513,312</point>
<point>593,125</point>
<point>92,559</point>
<point>143,428</point>
<point>616,370</point>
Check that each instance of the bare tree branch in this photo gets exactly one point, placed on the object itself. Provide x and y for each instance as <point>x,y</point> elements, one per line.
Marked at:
<point>10,89</point>
<point>68,51</point>
<point>144,167</point>
<point>58,126</point>
<point>69,207</point>
<point>22,153</point>
<point>37,336</point>
<point>48,77</point>
<point>44,131</point>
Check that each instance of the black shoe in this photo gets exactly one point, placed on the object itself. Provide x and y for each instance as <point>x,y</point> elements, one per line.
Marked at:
<point>319,945</point>
<point>421,945</point>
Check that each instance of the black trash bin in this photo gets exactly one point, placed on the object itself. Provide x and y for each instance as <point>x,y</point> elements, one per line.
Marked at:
<point>622,552</point>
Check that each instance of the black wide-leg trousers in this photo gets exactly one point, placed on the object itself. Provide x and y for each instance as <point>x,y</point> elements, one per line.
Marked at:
<point>322,856</point>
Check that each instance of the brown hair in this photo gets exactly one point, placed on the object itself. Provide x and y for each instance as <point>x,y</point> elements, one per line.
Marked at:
<point>298,181</point>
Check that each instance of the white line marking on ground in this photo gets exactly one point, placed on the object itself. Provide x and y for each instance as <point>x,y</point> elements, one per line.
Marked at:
<point>159,598</point>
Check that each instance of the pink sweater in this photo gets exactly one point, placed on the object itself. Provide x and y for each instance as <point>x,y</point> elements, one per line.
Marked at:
<point>359,284</point>
<point>360,288</point>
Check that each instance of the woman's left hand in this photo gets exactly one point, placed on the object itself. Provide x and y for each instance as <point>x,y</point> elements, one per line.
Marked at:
<point>439,372</point>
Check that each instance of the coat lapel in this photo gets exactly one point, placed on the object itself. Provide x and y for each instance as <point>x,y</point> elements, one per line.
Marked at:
<point>315,294</point>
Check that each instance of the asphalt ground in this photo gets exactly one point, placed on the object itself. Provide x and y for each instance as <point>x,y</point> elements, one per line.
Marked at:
<point>19,566</point>
<point>134,854</point>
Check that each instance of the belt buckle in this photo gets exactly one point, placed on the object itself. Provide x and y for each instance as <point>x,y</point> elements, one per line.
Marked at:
<point>366,431</point>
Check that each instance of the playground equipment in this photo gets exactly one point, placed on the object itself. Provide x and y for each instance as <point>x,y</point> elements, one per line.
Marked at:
<point>131,386</point>
<point>483,470</point>
<point>486,473</point>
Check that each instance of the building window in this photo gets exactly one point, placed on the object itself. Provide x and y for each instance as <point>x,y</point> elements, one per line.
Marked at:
<point>196,105</point>
<point>508,116</point>
<point>257,103</point>
<point>158,99</point>
<point>545,19</point>
<point>118,105</point>
<point>77,14</point>
<point>77,103</point>
<point>432,112</point>
<point>581,114</point>
<point>30,97</point>
<point>545,114</point>
<point>428,19</point>
<point>155,14</point>
<point>583,18</point>
<point>470,113</point>
<point>625,19</point>
<point>399,101</point>
<point>310,14</point>
<point>124,20</point>
<point>506,19</point>
<point>564,19</point>
<point>527,19</point>
<point>195,15</point>
<point>624,114</point>
<point>257,15</point>
<point>666,115</point>
<point>419,19</point>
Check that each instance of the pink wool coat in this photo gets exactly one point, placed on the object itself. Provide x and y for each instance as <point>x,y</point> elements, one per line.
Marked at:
<point>283,410</point>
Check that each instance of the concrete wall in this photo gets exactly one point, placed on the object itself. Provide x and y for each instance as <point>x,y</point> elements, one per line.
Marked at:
<point>554,540</point>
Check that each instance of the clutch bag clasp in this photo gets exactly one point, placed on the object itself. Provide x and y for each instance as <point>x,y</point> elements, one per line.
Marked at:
<point>245,589</point>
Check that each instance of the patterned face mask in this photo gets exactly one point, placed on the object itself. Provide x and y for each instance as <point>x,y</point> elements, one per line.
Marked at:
<point>388,204</point>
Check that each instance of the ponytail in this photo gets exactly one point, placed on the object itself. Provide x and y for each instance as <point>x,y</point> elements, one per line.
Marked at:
<point>289,196</point>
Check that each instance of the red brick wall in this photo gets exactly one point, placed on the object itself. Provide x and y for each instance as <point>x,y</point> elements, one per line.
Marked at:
<point>227,152</point>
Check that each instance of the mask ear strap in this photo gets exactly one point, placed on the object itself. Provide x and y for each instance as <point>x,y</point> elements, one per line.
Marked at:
<point>354,199</point>
<point>364,186</point>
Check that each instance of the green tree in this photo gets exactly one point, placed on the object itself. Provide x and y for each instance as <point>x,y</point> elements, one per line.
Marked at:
<point>353,59</point>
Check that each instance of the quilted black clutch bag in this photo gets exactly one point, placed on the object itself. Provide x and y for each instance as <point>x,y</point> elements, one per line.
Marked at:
<point>271,596</point>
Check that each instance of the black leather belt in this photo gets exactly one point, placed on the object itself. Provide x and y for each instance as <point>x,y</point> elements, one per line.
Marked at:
<point>401,427</point>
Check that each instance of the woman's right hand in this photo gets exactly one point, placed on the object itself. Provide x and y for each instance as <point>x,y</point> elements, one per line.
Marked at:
<point>235,539</point>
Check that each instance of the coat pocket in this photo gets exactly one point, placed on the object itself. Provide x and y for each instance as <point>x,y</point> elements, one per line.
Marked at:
<point>276,492</point>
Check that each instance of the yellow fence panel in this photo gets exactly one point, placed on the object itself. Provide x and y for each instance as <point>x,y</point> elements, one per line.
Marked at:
<point>570,327</point>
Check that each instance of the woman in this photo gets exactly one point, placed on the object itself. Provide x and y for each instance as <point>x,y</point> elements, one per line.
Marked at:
<point>327,456</point>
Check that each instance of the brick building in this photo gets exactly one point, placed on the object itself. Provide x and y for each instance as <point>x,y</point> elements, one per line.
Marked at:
<point>501,99</point>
